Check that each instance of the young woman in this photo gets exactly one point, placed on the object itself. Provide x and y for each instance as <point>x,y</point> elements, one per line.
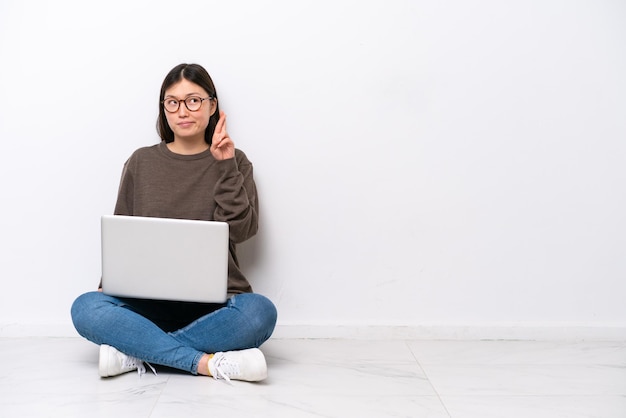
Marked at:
<point>195,172</point>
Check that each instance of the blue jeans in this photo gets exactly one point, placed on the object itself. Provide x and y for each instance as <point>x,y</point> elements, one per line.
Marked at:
<point>174,334</point>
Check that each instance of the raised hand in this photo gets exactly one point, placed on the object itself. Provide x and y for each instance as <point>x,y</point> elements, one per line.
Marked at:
<point>222,147</point>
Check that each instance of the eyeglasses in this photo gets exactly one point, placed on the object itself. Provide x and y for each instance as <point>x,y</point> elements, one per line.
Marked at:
<point>193,103</point>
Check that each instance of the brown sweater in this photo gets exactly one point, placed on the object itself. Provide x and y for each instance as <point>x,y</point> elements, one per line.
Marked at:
<point>159,183</point>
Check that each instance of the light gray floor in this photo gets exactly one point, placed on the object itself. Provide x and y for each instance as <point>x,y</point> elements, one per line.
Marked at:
<point>57,377</point>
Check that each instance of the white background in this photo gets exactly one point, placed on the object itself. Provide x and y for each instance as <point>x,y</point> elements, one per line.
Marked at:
<point>419,163</point>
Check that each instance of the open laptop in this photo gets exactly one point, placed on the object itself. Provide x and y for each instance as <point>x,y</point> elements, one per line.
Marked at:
<point>165,259</point>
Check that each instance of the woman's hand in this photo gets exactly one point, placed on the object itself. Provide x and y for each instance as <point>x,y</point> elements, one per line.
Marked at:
<point>222,147</point>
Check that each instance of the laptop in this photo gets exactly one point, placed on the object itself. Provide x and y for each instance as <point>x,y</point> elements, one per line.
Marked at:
<point>165,259</point>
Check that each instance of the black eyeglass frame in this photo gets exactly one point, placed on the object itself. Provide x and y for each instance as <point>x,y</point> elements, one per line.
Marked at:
<point>186,105</point>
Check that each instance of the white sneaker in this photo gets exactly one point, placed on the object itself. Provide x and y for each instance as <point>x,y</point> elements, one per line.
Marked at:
<point>246,365</point>
<point>113,362</point>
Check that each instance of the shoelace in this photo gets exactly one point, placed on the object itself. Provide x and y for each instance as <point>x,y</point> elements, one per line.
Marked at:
<point>224,368</point>
<point>133,362</point>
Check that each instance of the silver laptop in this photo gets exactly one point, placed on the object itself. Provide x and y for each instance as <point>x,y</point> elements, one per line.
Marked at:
<point>165,259</point>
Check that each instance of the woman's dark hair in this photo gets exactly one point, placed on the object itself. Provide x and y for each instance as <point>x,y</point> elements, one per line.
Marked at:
<point>198,75</point>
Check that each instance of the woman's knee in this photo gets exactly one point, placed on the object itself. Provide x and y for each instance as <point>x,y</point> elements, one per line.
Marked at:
<point>84,310</point>
<point>80,307</point>
<point>267,314</point>
<point>260,312</point>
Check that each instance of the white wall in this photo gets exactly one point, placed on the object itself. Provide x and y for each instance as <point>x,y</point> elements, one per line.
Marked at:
<point>419,163</point>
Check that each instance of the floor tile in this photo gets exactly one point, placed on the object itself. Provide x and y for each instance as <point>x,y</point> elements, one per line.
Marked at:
<point>527,380</point>
<point>339,352</point>
<point>519,352</point>
<point>297,406</point>
<point>305,367</point>
<point>536,406</point>
<point>58,377</point>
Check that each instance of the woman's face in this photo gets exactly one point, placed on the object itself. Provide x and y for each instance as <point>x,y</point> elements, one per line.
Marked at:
<point>187,124</point>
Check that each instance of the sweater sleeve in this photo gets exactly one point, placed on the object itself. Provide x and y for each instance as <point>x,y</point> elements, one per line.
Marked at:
<point>124,203</point>
<point>236,197</point>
